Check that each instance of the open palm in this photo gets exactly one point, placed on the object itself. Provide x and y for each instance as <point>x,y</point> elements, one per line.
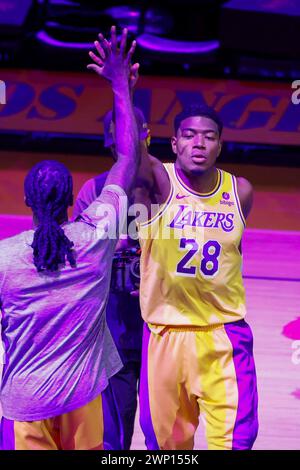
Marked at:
<point>112,62</point>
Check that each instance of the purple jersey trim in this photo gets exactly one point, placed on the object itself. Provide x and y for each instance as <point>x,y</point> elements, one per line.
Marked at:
<point>246,423</point>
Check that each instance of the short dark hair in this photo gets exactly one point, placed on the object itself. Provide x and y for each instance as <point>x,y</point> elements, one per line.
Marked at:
<point>198,110</point>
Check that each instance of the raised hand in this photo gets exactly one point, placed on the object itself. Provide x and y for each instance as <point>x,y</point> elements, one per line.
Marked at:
<point>112,62</point>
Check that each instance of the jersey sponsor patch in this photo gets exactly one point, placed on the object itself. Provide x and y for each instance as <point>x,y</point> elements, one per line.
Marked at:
<point>226,199</point>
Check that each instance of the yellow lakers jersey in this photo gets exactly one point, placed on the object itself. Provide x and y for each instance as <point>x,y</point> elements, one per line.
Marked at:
<point>190,262</point>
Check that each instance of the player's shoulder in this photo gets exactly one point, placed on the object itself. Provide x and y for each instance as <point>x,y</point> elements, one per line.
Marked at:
<point>15,239</point>
<point>12,246</point>
<point>244,186</point>
<point>161,170</point>
<point>241,182</point>
<point>245,194</point>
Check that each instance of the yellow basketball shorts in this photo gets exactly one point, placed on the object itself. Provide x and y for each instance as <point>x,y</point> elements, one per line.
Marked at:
<point>80,429</point>
<point>192,372</point>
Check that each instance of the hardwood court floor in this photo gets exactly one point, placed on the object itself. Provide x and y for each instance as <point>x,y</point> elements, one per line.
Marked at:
<point>272,280</point>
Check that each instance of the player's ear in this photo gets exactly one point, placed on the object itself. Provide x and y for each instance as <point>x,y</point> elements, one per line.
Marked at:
<point>174,144</point>
<point>148,138</point>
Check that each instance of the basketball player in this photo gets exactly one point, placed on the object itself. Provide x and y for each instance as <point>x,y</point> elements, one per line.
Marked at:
<point>54,282</point>
<point>197,348</point>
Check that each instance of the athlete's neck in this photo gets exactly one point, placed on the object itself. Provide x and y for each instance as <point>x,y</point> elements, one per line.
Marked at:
<point>202,183</point>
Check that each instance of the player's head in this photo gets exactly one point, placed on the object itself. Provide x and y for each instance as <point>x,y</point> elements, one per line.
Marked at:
<point>48,191</point>
<point>109,131</point>
<point>197,139</point>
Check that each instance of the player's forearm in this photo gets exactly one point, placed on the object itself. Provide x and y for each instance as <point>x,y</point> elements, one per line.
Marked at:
<point>126,132</point>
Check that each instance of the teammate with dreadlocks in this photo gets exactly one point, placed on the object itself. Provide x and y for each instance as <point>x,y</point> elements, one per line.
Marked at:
<point>49,192</point>
<point>54,282</point>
